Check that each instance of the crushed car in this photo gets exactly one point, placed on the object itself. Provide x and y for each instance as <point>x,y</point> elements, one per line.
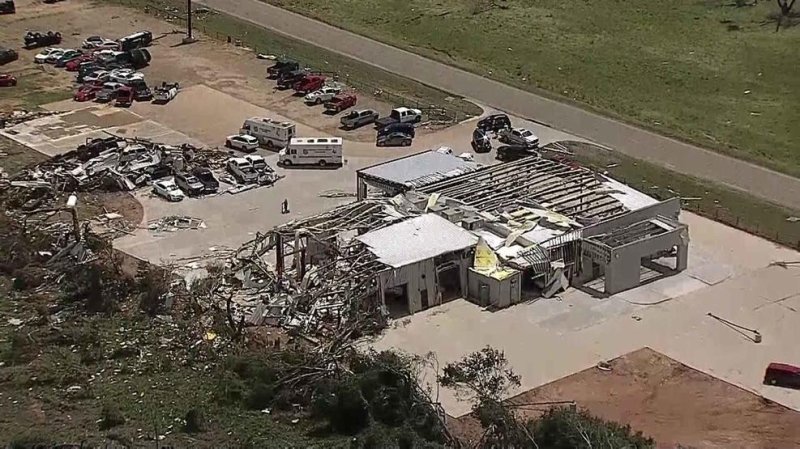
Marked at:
<point>165,93</point>
<point>35,39</point>
<point>7,80</point>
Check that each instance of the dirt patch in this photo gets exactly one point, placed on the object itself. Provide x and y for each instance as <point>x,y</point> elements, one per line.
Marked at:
<point>666,400</point>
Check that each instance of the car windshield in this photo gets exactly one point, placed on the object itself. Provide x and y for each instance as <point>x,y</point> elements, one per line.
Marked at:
<point>526,133</point>
<point>205,176</point>
<point>192,180</point>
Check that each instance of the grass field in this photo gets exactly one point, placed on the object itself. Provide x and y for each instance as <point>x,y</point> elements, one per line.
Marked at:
<point>701,70</point>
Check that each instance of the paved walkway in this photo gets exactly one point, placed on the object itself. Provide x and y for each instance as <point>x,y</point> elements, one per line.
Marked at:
<point>627,139</point>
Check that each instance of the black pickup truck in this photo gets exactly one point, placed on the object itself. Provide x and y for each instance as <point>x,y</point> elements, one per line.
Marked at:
<point>287,79</point>
<point>282,66</point>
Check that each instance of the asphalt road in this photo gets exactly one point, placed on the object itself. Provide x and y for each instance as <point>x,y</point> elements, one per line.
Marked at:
<point>630,140</point>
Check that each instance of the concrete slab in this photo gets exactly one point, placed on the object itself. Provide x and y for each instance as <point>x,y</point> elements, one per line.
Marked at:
<point>547,339</point>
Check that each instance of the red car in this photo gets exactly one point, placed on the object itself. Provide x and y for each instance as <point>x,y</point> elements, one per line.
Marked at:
<point>340,102</point>
<point>74,64</point>
<point>309,83</point>
<point>7,80</point>
<point>782,375</point>
<point>87,92</point>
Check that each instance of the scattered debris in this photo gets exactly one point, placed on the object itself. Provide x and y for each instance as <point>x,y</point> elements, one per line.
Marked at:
<point>175,223</point>
<point>336,194</point>
<point>755,337</point>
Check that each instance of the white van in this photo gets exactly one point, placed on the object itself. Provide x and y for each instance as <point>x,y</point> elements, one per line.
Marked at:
<point>270,133</point>
<point>320,151</point>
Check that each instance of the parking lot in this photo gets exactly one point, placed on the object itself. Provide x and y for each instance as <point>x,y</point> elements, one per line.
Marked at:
<point>221,86</point>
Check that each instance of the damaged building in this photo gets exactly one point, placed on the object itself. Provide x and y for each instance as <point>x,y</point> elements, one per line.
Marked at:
<point>430,228</point>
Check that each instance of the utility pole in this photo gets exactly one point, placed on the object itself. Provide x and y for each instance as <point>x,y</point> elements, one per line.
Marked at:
<point>189,19</point>
<point>189,37</point>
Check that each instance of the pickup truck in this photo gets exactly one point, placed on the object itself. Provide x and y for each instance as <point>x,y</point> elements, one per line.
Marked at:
<point>323,94</point>
<point>165,92</point>
<point>355,119</point>
<point>340,102</point>
<point>282,66</point>
<point>287,79</point>
<point>242,170</point>
<point>308,83</point>
<point>400,115</point>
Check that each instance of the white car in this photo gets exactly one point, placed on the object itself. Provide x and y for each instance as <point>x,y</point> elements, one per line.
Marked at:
<point>98,76</point>
<point>41,58</point>
<point>322,95</point>
<point>242,142</point>
<point>125,76</point>
<point>99,42</point>
<point>168,190</point>
<point>519,136</point>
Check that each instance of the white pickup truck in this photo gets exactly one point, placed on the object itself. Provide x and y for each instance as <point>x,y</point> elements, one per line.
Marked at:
<point>400,115</point>
<point>322,95</point>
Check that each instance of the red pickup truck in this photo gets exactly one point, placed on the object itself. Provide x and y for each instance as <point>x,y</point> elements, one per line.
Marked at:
<point>309,83</point>
<point>340,102</point>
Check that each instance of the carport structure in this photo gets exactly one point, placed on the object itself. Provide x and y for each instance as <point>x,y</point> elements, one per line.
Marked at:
<point>566,189</point>
<point>617,231</point>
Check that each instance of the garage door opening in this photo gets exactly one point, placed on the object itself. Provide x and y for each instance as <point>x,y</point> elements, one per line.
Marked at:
<point>396,300</point>
<point>449,282</point>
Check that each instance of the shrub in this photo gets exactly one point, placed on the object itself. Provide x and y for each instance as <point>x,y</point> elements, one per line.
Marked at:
<point>110,417</point>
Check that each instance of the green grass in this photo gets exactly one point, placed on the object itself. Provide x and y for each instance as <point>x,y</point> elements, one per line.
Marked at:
<point>34,88</point>
<point>672,66</point>
<point>397,90</point>
<point>732,207</point>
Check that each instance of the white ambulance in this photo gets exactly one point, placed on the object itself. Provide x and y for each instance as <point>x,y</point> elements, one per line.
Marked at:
<point>270,133</point>
<point>322,151</point>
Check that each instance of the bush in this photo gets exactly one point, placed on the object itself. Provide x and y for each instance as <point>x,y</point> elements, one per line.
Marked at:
<point>194,422</point>
<point>349,413</point>
<point>110,417</point>
<point>566,428</point>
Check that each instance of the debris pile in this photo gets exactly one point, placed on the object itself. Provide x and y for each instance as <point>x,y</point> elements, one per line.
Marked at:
<point>310,276</point>
<point>175,223</point>
<point>17,117</point>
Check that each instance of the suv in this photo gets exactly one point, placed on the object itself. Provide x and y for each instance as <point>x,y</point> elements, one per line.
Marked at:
<point>494,122</point>
<point>7,55</point>
<point>519,136</point>
<point>358,118</point>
